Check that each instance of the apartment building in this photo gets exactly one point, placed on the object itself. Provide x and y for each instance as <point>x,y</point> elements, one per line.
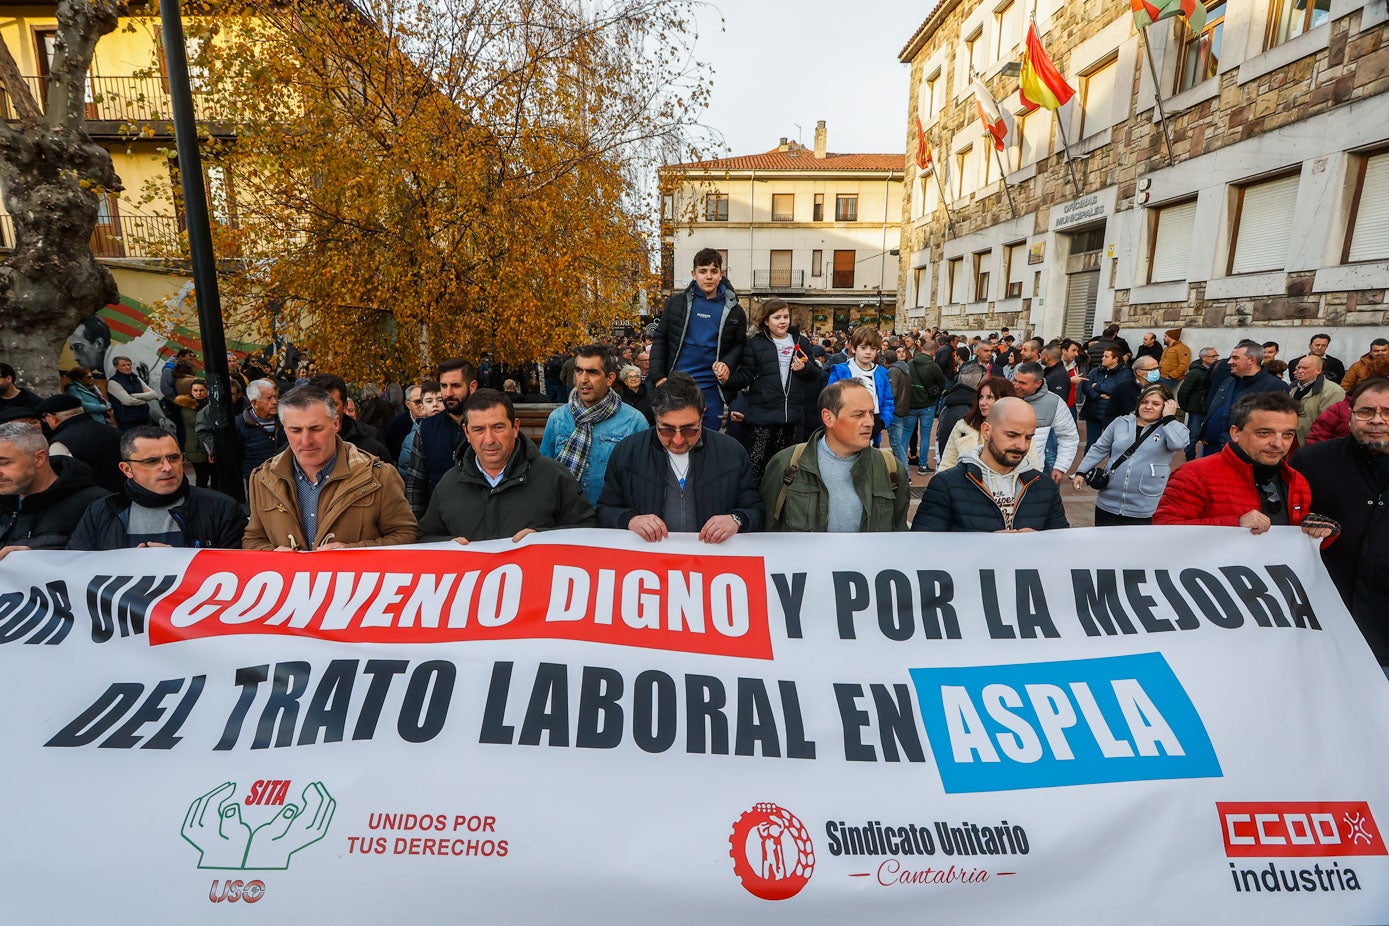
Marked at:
<point>818,229</point>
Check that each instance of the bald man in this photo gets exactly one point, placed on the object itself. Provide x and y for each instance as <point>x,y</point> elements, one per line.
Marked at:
<point>994,488</point>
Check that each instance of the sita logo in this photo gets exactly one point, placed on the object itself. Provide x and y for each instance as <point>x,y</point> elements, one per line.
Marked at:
<point>772,852</point>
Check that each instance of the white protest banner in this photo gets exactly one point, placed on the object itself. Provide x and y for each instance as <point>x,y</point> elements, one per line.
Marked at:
<point>1127,724</point>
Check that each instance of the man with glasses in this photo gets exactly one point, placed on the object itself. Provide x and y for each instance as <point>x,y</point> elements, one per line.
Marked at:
<point>680,476</point>
<point>1349,477</point>
<point>158,507</point>
<point>41,497</point>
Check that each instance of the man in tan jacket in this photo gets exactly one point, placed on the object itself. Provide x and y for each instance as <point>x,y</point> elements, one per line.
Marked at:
<point>324,493</point>
<point>1176,358</point>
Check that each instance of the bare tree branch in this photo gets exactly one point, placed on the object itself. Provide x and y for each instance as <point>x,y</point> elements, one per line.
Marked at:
<point>24,104</point>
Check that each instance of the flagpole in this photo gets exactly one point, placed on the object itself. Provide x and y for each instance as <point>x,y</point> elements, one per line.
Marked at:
<point>1003,179</point>
<point>1066,147</point>
<point>944,201</point>
<point>1157,96</point>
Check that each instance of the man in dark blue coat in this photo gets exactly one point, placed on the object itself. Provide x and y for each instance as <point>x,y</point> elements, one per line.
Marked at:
<point>993,488</point>
<point>680,476</point>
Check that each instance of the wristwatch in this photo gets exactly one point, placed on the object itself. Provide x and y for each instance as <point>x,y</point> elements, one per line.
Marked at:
<point>738,519</point>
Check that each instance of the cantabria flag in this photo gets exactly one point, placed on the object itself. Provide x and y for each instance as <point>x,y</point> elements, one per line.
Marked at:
<point>1147,12</point>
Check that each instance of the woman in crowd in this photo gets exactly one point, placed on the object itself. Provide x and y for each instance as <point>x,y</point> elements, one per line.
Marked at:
<point>83,387</point>
<point>773,360</point>
<point>1140,446</point>
<point>965,435</point>
<point>634,392</point>
<point>183,411</point>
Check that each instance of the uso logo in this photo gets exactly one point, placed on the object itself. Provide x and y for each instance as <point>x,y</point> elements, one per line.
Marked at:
<point>772,852</point>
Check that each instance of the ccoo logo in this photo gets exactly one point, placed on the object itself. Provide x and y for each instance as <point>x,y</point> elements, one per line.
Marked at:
<point>772,852</point>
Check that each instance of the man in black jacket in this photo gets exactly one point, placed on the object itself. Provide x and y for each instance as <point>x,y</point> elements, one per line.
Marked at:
<point>993,489</point>
<point>1349,478</point>
<point>258,427</point>
<point>502,486</point>
<point>679,476</point>
<point>41,497</point>
<point>74,433</point>
<point>156,506</point>
<point>1192,394</point>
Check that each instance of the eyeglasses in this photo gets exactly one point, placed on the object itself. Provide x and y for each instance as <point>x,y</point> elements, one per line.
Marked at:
<point>1369,412</point>
<point>689,430</point>
<point>173,459</point>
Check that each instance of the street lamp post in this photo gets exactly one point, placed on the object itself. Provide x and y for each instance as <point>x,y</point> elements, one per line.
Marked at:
<point>225,451</point>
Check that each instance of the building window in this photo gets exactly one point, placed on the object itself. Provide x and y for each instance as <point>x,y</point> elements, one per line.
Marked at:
<point>716,207</point>
<point>1200,55</point>
<point>817,263</point>
<point>959,293</point>
<point>981,276</point>
<point>780,265</point>
<point>974,51</point>
<point>667,266</point>
<point>723,259</point>
<point>1290,18</point>
<point>846,207</point>
<point>1369,215</point>
<point>1169,250</point>
<point>1035,132</point>
<point>1006,20</point>
<point>844,269</point>
<point>668,207</point>
<point>819,212</point>
<point>783,207</point>
<point>1263,225</point>
<point>1015,259</point>
<point>934,95</point>
<point>1100,108</point>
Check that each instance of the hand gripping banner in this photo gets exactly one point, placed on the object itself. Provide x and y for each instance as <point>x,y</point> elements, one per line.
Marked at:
<point>1159,725</point>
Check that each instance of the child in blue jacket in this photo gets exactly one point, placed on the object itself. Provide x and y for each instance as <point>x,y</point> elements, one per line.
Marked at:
<point>861,365</point>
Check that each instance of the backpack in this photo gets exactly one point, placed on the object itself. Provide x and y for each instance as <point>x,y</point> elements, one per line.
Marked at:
<point>795,466</point>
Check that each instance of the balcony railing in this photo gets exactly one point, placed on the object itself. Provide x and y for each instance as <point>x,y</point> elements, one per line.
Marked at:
<point>778,279</point>
<point>127,235</point>
<point>120,99</point>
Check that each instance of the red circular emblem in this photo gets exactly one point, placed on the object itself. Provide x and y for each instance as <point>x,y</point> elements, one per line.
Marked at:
<point>772,852</point>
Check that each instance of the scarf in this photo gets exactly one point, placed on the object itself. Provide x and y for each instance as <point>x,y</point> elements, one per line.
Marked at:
<point>147,499</point>
<point>574,453</point>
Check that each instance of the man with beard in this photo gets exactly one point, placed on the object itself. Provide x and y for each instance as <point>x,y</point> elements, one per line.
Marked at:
<point>41,497</point>
<point>993,488</point>
<point>438,437</point>
<point>156,506</point>
<point>1349,477</point>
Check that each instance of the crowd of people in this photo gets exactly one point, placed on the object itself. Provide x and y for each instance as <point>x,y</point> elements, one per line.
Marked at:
<point>708,425</point>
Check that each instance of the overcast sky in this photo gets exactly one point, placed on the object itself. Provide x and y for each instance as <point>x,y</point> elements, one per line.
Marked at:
<point>782,62</point>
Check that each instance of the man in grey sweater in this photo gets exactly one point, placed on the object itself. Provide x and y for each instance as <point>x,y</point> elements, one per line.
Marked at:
<point>1056,429</point>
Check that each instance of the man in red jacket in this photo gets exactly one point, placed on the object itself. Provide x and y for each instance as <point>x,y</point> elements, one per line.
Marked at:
<point>1248,483</point>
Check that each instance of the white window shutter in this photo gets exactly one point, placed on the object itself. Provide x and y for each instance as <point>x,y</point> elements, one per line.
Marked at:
<point>1369,240</point>
<point>1265,226</point>
<point>1172,250</point>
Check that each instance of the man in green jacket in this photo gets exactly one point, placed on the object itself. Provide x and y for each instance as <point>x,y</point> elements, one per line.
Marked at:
<point>502,486</point>
<point>836,481</point>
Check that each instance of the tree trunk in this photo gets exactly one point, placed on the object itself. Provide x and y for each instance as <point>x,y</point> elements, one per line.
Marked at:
<point>52,176</point>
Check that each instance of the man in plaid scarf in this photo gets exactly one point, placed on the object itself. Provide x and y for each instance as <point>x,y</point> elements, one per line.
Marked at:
<point>582,434</point>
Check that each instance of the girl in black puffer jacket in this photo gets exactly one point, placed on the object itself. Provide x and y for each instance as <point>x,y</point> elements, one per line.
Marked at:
<point>773,361</point>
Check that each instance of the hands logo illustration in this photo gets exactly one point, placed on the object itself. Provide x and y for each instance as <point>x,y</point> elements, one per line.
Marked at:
<point>214,827</point>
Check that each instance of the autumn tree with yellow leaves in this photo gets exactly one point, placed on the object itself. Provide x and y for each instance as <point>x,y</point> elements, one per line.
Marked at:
<point>415,181</point>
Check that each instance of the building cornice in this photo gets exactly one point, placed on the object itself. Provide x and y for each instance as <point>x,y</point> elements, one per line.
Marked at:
<point>928,28</point>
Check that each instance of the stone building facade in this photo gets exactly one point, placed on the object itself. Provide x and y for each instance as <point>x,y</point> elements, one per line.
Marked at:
<point>1269,218</point>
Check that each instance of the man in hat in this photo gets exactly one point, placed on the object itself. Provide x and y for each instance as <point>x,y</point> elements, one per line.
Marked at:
<point>1176,357</point>
<point>77,434</point>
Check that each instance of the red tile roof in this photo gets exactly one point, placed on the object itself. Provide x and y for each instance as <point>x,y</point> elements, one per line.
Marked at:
<point>800,158</point>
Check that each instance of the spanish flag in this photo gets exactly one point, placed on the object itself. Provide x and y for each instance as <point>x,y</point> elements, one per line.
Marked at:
<point>923,150</point>
<point>1041,84</point>
<point>1147,12</point>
